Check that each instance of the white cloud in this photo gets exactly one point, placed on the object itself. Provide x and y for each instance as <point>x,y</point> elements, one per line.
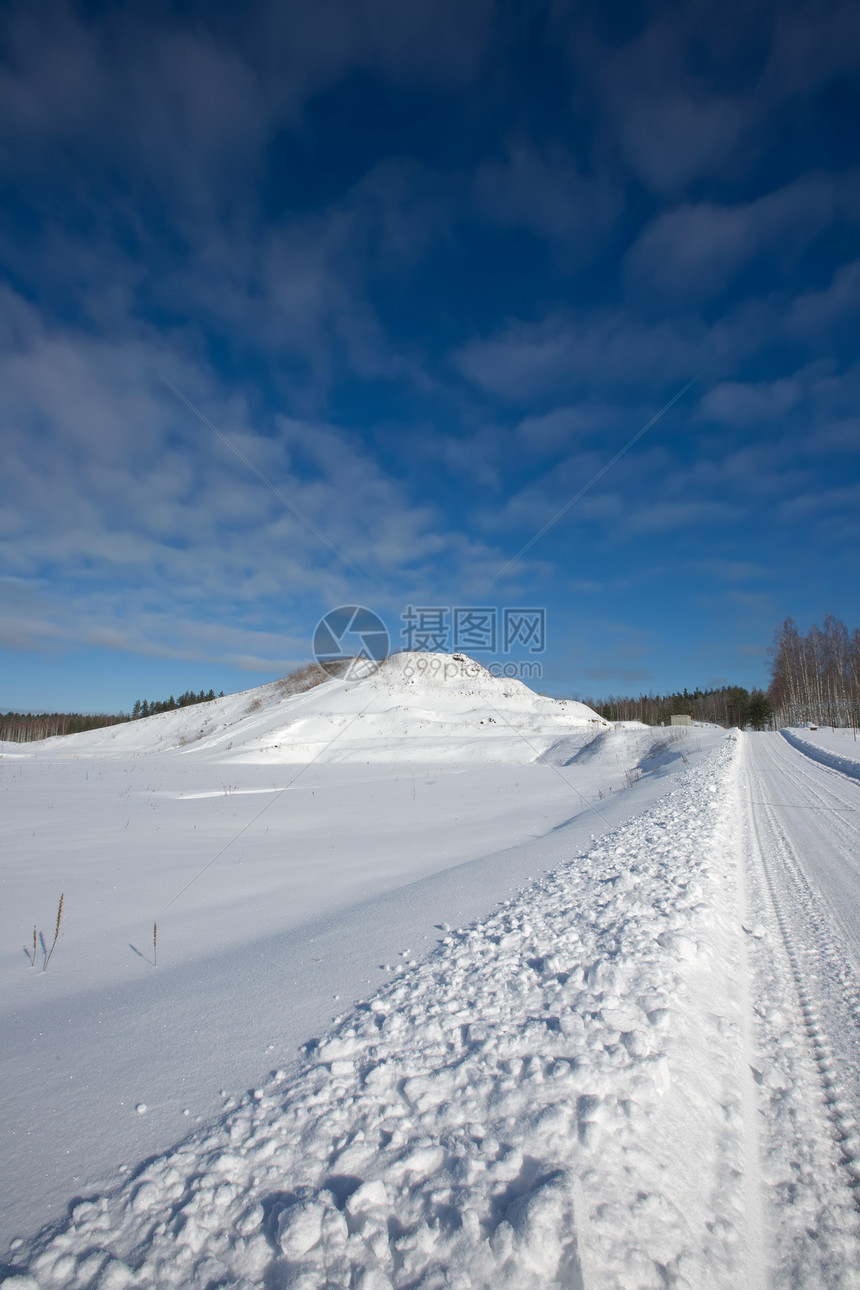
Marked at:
<point>743,403</point>
<point>812,44</point>
<point>567,352</point>
<point>726,570</point>
<point>546,192</point>
<point>814,314</point>
<point>697,250</point>
<point>111,483</point>
<point>695,512</point>
<point>823,503</point>
<point>190,101</point>
<point>671,122</point>
<point>695,95</point>
<point>566,425</point>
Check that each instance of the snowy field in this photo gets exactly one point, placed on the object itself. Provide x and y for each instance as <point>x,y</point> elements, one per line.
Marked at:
<point>456,986</point>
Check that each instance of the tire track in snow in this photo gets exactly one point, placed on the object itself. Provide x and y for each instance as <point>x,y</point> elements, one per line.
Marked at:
<point>838,1106</point>
<point>832,958</point>
<point>805,995</point>
<point>821,812</point>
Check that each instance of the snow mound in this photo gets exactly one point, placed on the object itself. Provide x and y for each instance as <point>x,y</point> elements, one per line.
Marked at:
<point>421,707</point>
<point>455,673</point>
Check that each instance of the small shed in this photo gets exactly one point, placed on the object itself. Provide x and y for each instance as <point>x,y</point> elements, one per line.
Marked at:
<point>682,719</point>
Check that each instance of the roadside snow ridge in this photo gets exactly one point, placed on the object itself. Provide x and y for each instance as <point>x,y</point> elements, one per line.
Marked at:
<point>826,756</point>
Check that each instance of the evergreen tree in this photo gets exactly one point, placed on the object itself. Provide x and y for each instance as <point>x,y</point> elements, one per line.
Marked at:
<point>759,711</point>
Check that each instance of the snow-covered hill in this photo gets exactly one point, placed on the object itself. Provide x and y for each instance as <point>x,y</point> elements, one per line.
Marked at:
<point>413,707</point>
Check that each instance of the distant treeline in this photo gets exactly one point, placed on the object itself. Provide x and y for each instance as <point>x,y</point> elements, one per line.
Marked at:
<point>816,677</point>
<point>731,705</point>
<point>24,727</point>
<point>149,707</point>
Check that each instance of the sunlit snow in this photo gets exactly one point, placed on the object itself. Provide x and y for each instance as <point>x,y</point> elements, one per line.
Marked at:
<point>456,986</point>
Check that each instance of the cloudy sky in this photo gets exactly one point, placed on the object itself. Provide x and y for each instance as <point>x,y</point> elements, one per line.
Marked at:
<point>426,266</point>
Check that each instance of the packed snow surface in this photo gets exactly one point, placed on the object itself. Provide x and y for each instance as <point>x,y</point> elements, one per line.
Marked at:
<point>564,1004</point>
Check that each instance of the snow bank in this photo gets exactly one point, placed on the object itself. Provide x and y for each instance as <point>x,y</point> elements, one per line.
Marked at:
<point>550,1099</point>
<point>825,747</point>
<point>632,748</point>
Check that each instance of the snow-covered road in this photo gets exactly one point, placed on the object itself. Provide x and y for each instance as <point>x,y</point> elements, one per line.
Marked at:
<point>813,812</point>
<point>802,836</point>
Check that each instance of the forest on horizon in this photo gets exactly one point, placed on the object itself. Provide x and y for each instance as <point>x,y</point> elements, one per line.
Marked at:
<point>815,679</point>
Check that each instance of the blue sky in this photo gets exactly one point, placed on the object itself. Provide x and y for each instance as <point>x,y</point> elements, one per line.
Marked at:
<point>428,265</point>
